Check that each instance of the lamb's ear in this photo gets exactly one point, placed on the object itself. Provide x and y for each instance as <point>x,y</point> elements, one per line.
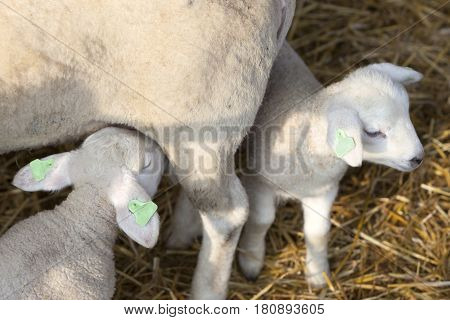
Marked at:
<point>344,135</point>
<point>48,174</point>
<point>404,75</point>
<point>125,190</point>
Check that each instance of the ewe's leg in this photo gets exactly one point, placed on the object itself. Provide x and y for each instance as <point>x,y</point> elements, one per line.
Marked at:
<point>206,172</point>
<point>185,225</point>
<point>261,216</point>
<point>223,209</point>
<point>316,211</point>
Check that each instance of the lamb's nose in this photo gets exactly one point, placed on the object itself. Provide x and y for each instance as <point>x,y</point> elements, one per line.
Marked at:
<point>416,161</point>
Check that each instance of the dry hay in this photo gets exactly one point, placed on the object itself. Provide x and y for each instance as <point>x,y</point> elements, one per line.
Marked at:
<point>390,230</point>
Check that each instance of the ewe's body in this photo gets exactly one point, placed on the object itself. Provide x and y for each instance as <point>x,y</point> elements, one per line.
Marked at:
<point>149,64</point>
<point>69,67</point>
<point>67,253</point>
<point>299,161</point>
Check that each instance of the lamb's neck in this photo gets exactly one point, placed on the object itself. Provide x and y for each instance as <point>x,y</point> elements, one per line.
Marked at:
<point>312,113</point>
<point>87,206</point>
<point>313,120</point>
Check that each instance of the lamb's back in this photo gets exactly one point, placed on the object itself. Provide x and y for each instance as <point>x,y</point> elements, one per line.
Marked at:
<point>53,256</point>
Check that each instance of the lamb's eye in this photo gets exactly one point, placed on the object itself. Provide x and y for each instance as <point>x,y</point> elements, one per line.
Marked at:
<point>375,134</point>
<point>147,160</point>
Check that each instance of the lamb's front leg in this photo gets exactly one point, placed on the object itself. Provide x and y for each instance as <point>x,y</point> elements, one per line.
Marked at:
<point>316,211</point>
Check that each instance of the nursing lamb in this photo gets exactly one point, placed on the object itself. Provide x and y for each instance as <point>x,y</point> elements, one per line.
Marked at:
<point>67,252</point>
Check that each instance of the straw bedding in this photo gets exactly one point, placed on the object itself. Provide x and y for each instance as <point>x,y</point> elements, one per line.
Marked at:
<point>390,230</point>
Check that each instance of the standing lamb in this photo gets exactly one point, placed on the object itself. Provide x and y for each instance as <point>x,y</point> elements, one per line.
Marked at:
<point>163,67</point>
<point>317,133</point>
<point>305,137</point>
<point>67,253</point>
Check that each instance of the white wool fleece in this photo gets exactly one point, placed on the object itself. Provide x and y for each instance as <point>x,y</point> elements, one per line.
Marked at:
<point>71,66</point>
<point>65,253</point>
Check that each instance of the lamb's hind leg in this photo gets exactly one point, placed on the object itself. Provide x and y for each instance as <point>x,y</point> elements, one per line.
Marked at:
<point>185,224</point>
<point>316,211</point>
<point>261,216</point>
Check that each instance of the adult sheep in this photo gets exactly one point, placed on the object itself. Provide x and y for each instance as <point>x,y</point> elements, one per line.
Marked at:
<point>164,68</point>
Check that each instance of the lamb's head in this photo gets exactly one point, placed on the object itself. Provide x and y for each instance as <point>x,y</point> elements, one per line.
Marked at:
<point>368,118</point>
<point>111,160</point>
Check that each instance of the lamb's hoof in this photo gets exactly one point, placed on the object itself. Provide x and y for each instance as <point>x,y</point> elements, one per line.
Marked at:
<point>317,280</point>
<point>176,242</point>
<point>250,267</point>
<point>251,276</point>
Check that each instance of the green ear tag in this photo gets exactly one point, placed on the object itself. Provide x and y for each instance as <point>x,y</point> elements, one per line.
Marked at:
<point>40,168</point>
<point>344,143</point>
<point>143,211</point>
